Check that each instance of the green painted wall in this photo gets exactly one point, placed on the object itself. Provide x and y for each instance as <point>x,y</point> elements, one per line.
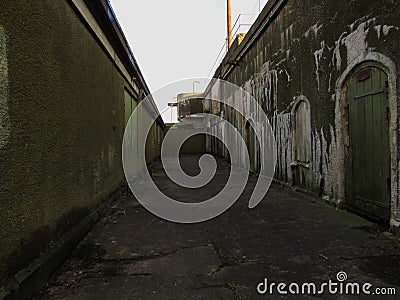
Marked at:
<point>153,141</point>
<point>62,123</point>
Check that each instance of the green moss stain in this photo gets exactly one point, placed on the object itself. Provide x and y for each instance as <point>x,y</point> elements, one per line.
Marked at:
<point>64,100</point>
<point>4,120</point>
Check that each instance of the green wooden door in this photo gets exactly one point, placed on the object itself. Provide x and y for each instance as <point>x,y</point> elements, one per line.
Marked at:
<point>368,161</point>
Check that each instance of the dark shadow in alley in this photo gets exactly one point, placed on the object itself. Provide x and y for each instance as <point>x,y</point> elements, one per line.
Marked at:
<point>190,165</point>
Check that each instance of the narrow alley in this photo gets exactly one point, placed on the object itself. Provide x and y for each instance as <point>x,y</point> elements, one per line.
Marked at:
<point>104,103</point>
<point>131,254</point>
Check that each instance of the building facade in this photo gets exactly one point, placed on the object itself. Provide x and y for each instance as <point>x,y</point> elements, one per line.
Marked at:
<point>327,74</point>
<point>68,84</point>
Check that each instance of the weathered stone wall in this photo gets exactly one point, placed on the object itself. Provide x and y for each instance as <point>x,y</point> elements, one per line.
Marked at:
<point>303,51</point>
<point>61,126</point>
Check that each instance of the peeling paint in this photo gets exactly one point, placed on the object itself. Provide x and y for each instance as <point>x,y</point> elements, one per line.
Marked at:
<point>280,62</point>
<point>378,30</point>
<point>330,164</point>
<point>330,83</point>
<point>336,58</point>
<point>315,28</point>
<point>281,124</point>
<point>4,118</point>
<point>270,80</point>
<point>287,54</point>
<point>289,35</point>
<point>289,78</point>
<point>318,56</point>
<point>325,163</point>
<point>356,42</point>
<point>387,28</point>
<point>316,151</point>
<point>363,19</point>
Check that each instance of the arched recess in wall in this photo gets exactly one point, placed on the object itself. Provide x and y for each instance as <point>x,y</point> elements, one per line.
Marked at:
<point>301,142</point>
<point>353,105</point>
<point>253,147</point>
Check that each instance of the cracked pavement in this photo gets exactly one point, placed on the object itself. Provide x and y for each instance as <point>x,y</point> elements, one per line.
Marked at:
<point>289,237</point>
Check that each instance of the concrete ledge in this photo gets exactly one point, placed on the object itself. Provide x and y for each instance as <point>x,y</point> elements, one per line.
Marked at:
<point>27,282</point>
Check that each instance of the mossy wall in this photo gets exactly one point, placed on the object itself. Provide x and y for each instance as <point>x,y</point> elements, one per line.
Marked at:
<point>61,127</point>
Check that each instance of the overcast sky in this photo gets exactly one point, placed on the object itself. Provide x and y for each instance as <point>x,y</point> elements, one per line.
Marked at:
<point>178,39</point>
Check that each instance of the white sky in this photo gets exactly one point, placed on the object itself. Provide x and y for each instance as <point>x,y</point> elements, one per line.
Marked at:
<point>178,39</point>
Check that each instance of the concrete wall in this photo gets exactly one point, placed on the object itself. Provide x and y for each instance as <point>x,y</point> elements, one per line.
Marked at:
<point>188,126</point>
<point>304,51</point>
<point>61,127</point>
<point>189,104</point>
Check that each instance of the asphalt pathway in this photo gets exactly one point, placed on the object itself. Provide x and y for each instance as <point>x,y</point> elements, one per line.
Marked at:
<point>289,238</point>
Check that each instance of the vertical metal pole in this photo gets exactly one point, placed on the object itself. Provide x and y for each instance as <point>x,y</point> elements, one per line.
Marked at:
<point>229,23</point>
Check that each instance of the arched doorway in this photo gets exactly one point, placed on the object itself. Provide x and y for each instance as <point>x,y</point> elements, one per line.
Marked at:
<point>368,158</point>
<point>301,142</point>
